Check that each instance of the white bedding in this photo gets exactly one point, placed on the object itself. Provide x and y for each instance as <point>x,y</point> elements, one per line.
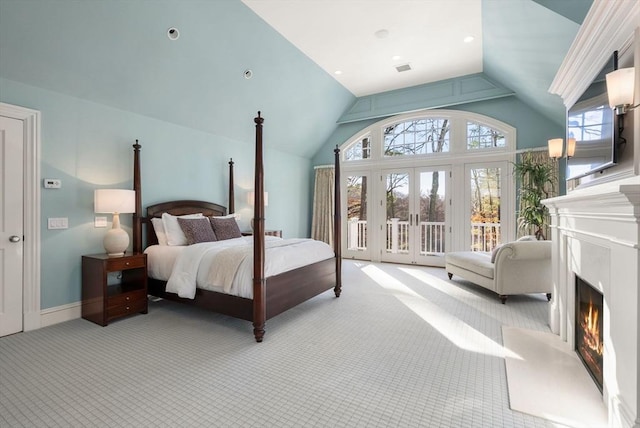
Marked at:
<point>187,267</point>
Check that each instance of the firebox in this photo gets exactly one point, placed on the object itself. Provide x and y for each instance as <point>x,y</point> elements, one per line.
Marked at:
<point>589,330</point>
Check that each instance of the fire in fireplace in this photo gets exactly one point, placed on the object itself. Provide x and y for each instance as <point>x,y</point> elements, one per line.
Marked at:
<point>589,341</point>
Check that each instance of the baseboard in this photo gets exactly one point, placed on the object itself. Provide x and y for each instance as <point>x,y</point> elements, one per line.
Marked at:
<point>60,314</point>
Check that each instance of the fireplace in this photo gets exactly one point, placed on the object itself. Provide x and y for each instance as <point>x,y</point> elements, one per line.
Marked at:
<point>589,330</point>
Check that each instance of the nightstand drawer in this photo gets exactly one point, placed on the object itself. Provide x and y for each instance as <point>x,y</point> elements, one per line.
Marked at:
<point>126,309</point>
<point>126,299</point>
<point>116,264</point>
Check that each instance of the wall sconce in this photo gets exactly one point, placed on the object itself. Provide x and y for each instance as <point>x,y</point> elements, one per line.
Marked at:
<point>252,197</point>
<point>116,202</point>
<point>571,147</point>
<point>620,89</point>
<point>555,148</point>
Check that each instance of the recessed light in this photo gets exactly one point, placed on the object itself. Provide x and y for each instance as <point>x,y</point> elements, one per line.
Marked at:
<point>337,72</point>
<point>469,39</point>
<point>381,34</point>
<point>396,57</point>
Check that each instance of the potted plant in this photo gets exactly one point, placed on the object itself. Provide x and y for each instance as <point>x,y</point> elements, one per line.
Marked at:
<point>537,182</point>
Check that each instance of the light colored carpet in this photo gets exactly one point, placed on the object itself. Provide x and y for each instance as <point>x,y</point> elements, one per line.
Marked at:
<point>547,379</point>
<point>402,347</point>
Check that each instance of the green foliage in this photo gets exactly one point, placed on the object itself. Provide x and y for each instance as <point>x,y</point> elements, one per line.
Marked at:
<point>536,183</point>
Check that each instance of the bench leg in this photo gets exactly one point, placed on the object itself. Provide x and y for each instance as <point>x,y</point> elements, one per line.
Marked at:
<point>503,298</point>
<point>450,275</point>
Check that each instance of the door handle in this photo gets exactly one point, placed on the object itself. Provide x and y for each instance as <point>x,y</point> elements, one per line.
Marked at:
<point>14,238</point>
<point>410,219</point>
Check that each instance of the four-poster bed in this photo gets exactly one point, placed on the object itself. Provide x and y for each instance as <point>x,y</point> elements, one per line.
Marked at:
<point>270,295</point>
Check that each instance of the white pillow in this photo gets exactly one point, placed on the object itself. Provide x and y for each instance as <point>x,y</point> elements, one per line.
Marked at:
<point>234,215</point>
<point>175,235</point>
<point>158,227</point>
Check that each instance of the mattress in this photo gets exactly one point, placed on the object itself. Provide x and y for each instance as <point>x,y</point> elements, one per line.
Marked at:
<point>186,268</point>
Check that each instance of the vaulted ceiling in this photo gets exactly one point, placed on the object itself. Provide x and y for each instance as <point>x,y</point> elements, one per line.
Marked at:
<point>118,54</point>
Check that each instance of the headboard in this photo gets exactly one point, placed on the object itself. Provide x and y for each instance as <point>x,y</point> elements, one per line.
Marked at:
<point>179,208</point>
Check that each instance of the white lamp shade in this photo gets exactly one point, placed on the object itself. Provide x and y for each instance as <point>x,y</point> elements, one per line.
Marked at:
<point>571,147</point>
<point>555,148</point>
<point>114,201</point>
<point>252,198</point>
<point>620,87</point>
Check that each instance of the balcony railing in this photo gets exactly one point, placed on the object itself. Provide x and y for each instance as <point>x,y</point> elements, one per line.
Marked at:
<point>484,236</point>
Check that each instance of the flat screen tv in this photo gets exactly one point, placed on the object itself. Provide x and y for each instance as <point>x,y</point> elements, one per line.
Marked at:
<point>593,124</point>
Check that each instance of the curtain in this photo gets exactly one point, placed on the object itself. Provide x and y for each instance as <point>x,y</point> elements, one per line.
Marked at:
<point>323,199</point>
<point>541,157</point>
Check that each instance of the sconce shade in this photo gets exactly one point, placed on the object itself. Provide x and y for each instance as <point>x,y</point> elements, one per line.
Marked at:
<point>620,87</point>
<point>571,147</point>
<point>114,201</point>
<point>555,148</point>
<point>252,198</point>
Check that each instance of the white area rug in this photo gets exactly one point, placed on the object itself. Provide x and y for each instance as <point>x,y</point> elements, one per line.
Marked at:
<point>547,379</point>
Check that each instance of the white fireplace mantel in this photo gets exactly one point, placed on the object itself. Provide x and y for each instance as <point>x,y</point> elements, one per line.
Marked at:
<point>596,233</point>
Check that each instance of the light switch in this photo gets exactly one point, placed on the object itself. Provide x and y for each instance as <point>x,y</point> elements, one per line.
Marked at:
<point>58,223</point>
<point>100,222</point>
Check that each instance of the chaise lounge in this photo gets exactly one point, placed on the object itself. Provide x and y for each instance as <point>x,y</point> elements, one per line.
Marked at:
<point>519,267</point>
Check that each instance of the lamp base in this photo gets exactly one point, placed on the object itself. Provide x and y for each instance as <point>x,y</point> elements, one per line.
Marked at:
<point>116,242</point>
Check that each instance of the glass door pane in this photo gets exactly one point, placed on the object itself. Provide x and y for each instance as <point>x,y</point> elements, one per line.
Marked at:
<point>485,208</point>
<point>398,207</point>
<point>357,216</point>
<point>431,219</point>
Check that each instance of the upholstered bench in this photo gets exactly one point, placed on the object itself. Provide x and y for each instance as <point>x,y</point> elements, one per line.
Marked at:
<point>520,267</point>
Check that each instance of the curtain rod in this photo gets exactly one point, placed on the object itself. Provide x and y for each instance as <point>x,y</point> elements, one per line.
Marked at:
<point>323,166</point>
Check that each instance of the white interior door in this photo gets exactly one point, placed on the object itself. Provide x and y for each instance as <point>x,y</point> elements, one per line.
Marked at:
<point>11,224</point>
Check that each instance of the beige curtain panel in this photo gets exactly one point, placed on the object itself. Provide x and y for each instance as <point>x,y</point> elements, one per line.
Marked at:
<point>323,198</point>
<point>542,157</point>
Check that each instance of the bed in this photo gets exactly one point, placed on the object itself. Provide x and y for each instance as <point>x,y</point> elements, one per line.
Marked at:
<point>269,295</point>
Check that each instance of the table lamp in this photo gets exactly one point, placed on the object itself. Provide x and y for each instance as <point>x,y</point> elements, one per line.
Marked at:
<point>116,202</point>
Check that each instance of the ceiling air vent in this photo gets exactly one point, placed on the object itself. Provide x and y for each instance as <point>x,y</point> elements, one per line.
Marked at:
<point>403,67</point>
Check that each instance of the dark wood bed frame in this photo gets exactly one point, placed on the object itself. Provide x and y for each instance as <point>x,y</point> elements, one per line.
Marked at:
<point>271,296</point>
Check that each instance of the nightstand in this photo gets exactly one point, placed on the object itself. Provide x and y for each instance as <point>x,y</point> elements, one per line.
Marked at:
<point>102,303</point>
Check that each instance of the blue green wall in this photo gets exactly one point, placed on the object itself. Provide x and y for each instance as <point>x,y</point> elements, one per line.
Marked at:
<point>88,146</point>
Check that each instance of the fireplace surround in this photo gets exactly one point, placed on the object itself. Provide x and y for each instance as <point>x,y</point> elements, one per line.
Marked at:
<point>595,236</point>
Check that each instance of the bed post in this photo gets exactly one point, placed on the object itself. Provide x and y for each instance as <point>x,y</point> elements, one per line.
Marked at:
<point>337,224</point>
<point>137,215</point>
<point>259,290</point>
<point>232,198</point>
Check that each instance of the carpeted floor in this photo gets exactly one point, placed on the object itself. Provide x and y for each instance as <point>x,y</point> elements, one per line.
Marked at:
<point>402,347</point>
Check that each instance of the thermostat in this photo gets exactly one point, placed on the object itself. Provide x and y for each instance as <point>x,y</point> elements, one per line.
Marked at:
<point>52,183</point>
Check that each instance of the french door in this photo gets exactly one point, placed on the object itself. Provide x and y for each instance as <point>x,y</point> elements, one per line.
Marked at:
<point>486,224</point>
<point>415,212</point>
<point>358,219</point>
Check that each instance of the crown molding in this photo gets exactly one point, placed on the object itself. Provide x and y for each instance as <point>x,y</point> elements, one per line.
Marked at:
<point>608,26</point>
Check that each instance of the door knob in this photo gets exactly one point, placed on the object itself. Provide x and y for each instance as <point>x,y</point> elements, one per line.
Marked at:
<point>14,238</point>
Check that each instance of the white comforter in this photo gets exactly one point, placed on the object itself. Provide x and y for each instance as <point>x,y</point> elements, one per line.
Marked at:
<point>188,267</point>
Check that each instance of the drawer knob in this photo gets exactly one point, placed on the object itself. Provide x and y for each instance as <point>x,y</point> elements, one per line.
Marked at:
<point>127,307</point>
<point>128,297</point>
<point>126,263</point>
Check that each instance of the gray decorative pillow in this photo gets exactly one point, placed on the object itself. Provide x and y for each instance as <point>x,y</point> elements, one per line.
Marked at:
<point>225,228</point>
<point>197,230</point>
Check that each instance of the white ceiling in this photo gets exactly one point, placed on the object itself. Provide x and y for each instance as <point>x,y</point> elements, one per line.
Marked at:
<point>340,35</point>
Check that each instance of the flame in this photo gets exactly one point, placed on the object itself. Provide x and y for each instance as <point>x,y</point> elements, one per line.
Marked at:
<point>591,329</point>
